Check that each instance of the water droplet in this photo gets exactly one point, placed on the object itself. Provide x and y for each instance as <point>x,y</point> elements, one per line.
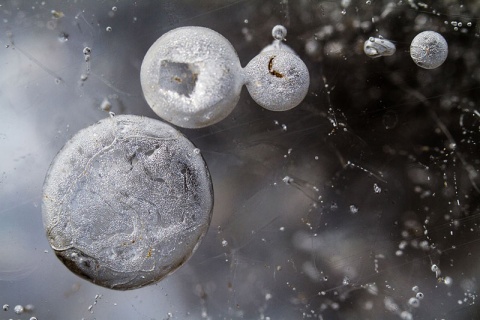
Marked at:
<point>429,49</point>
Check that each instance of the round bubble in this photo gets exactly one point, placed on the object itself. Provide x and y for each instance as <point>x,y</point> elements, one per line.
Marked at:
<point>126,202</point>
<point>191,77</point>
<point>277,80</point>
<point>279,32</point>
<point>429,50</point>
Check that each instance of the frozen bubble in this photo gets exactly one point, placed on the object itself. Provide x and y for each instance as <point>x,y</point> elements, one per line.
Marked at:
<point>279,32</point>
<point>414,302</point>
<point>419,296</point>
<point>429,50</point>
<point>434,268</point>
<point>277,80</point>
<point>18,309</point>
<point>108,29</point>
<point>191,77</point>
<point>5,307</point>
<point>353,209</point>
<point>378,47</point>
<point>126,202</point>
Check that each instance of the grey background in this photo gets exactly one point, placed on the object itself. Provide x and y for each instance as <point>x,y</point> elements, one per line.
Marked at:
<point>292,251</point>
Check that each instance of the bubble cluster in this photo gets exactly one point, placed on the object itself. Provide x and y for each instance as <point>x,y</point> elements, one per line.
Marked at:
<point>191,77</point>
<point>126,202</point>
<point>429,50</point>
<point>377,47</point>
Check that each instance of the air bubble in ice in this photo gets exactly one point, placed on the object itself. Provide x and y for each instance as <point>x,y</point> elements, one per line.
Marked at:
<point>414,302</point>
<point>353,209</point>
<point>126,202</point>
<point>378,47</point>
<point>278,80</point>
<point>429,50</point>
<point>191,77</point>
<point>18,309</point>
<point>279,32</point>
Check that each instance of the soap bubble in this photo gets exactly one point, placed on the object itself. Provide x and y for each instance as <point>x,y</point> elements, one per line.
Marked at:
<point>191,77</point>
<point>126,202</point>
<point>429,50</point>
<point>277,80</point>
<point>376,47</point>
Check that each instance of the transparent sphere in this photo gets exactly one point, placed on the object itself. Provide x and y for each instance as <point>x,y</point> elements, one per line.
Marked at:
<point>429,50</point>
<point>191,77</point>
<point>277,80</point>
<point>126,202</point>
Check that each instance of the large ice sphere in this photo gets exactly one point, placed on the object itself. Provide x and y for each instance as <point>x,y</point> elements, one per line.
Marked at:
<point>127,201</point>
<point>192,77</point>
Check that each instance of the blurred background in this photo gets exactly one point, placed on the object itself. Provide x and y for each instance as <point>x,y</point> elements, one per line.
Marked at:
<point>361,203</point>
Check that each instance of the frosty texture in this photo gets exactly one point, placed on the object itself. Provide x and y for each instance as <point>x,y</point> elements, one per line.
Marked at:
<point>429,50</point>
<point>126,202</point>
<point>191,77</point>
<point>277,80</point>
<point>376,47</point>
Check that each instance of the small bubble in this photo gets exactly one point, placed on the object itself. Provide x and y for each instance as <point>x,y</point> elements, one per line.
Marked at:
<point>5,307</point>
<point>346,281</point>
<point>419,295</point>
<point>434,268</point>
<point>469,24</point>
<point>344,11</point>
<point>415,289</point>
<point>279,32</point>
<point>18,309</point>
<point>114,8</point>
<point>109,29</point>
<point>224,243</point>
<point>63,37</point>
<point>414,302</point>
<point>33,318</point>
<point>353,209</point>
<point>376,188</point>
<point>196,151</point>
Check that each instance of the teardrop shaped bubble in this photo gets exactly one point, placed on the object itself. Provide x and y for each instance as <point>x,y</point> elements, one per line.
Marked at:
<point>429,50</point>
<point>126,202</point>
<point>192,77</point>
<point>278,80</point>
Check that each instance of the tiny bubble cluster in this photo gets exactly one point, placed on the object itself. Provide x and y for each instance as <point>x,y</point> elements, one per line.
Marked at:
<point>429,50</point>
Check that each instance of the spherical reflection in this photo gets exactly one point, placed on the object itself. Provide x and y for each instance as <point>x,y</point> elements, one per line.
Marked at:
<point>429,50</point>
<point>192,77</point>
<point>277,80</point>
<point>126,202</point>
